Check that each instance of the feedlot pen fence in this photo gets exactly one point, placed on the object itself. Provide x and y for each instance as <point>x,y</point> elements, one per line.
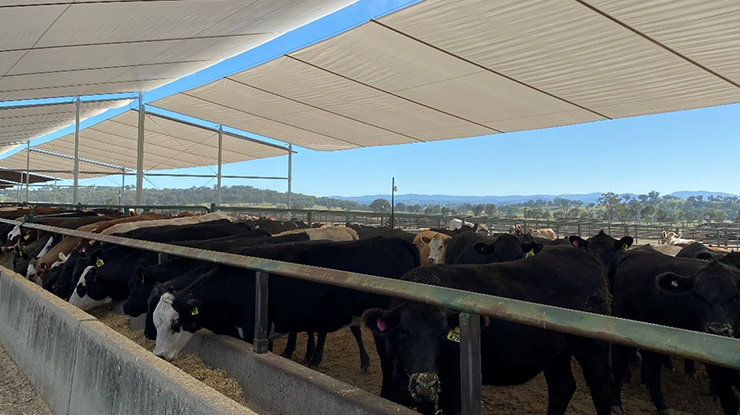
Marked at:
<point>723,351</point>
<point>720,234</point>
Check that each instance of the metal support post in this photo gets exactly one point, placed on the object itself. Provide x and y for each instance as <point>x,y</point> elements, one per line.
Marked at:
<point>290,178</point>
<point>140,153</point>
<point>470,364</point>
<point>76,173</point>
<point>220,153</point>
<point>260,342</point>
<point>123,187</point>
<point>393,203</point>
<point>162,258</point>
<point>28,168</point>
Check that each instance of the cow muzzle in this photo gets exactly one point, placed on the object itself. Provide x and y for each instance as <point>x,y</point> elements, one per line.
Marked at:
<point>430,261</point>
<point>424,387</point>
<point>720,329</point>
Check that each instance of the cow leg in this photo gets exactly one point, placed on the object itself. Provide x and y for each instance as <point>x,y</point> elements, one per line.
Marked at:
<point>689,368</point>
<point>560,384</point>
<point>620,366</point>
<point>364,358</point>
<point>290,345</point>
<point>652,363</point>
<point>318,355</point>
<point>593,357</point>
<point>723,380</point>
<point>310,347</point>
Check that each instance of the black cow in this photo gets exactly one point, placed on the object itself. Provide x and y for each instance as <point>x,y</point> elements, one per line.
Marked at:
<point>366,232</point>
<point>227,297</point>
<point>165,234</point>
<point>606,249</point>
<point>699,251</point>
<point>420,357</point>
<point>678,292</point>
<point>141,285</point>
<point>111,281</point>
<point>474,248</point>
<point>276,226</point>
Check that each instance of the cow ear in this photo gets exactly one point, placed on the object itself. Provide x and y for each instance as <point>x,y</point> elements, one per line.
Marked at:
<point>379,320</point>
<point>192,307</point>
<point>531,249</point>
<point>624,243</point>
<point>483,248</point>
<point>426,239</point>
<point>705,256</point>
<point>577,241</point>
<point>671,282</point>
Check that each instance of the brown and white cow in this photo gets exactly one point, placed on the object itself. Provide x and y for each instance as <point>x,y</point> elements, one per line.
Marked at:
<point>432,246</point>
<point>546,233</point>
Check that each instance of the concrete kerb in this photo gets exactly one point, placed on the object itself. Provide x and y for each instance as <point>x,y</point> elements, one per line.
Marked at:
<point>80,366</point>
<point>301,390</point>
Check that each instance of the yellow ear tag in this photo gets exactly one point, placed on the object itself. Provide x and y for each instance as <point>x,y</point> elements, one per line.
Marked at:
<point>27,236</point>
<point>454,335</point>
<point>99,263</point>
<point>624,248</point>
<point>194,312</point>
<point>529,253</point>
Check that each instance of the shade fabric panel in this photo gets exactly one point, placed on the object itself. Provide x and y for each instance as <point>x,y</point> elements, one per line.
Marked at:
<point>23,123</point>
<point>13,176</point>
<point>443,69</point>
<point>55,166</point>
<point>168,144</point>
<point>133,46</point>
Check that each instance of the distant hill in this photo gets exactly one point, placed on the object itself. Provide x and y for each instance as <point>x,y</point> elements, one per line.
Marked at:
<point>685,194</point>
<point>500,200</point>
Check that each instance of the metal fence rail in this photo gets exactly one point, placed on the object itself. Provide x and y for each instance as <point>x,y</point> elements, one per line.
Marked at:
<point>722,351</point>
<point>123,208</point>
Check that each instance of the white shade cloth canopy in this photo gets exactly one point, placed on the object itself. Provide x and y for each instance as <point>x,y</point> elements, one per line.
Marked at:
<point>54,48</point>
<point>444,69</point>
<point>22,123</point>
<point>168,144</point>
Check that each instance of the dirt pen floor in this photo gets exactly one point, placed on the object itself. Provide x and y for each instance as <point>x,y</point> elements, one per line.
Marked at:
<point>686,396</point>
<point>17,395</point>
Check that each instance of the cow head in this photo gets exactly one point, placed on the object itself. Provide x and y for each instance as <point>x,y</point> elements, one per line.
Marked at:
<point>507,247</point>
<point>715,296</point>
<point>176,320</point>
<point>437,248</point>
<point>88,293</point>
<point>413,341</point>
<point>139,288</point>
<point>605,248</point>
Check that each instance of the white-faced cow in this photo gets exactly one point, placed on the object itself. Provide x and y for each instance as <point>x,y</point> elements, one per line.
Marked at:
<point>432,246</point>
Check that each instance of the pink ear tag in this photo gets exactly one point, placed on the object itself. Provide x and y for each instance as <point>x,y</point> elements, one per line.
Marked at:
<point>381,325</point>
<point>575,243</point>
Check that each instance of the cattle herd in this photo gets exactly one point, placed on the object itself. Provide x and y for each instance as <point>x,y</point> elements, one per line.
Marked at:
<point>418,346</point>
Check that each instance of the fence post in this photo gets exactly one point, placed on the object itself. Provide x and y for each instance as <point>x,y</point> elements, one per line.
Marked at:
<point>579,229</point>
<point>470,364</point>
<point>260,312</point>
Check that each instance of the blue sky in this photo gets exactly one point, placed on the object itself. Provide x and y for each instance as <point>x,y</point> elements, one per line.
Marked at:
<point>688,150</point>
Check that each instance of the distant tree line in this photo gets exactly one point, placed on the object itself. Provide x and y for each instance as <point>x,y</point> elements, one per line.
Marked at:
<point>649,207</point>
